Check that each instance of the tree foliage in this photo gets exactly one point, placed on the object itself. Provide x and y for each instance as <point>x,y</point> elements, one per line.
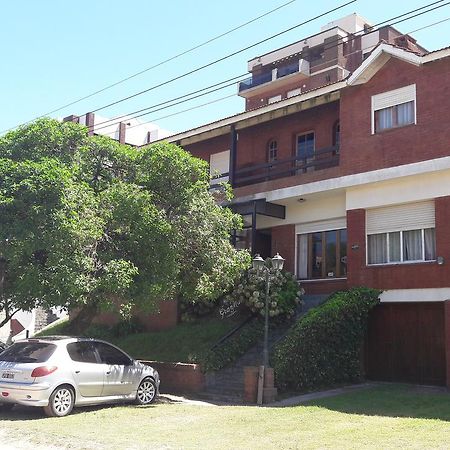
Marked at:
<point>88,222</point>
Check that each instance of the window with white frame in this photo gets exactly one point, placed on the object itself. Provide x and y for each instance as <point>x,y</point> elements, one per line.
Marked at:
<point>394,109</point>
<point>219,166</point>
<point>401,233</point>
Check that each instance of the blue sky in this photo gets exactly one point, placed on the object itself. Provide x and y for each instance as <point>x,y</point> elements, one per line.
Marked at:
<point>55,52</point>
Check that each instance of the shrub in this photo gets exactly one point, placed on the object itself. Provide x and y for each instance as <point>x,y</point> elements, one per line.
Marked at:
<point>324,347</point>
<point>250,290</point>
<point>231,349</point>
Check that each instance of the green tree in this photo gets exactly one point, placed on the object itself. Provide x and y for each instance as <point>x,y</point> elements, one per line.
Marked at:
<point>88,223</point>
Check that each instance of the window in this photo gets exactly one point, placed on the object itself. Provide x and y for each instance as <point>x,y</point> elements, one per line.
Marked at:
<point>219,166</point>
<point>111,355</point>
<point>394,116</point>
<point>401,246</point>
<point>305,145</point>
<point>274,99</point>
<point>272,151</point>
<point>336,134</point>
<point>82,352</point>
<point>294,92</point>
<point>394,109</point>
<point>28,352</point>
<point>401,233</point>
<point>322,254</point>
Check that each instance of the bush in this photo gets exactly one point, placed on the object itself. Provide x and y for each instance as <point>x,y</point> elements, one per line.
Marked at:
<point>250,290</point>
<point>324,347</point>
<point>231,349</point>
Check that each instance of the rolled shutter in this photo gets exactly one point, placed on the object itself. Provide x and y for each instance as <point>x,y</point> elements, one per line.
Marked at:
<point>395,97</point>
<point>408,216</point>
<point>338,223</point>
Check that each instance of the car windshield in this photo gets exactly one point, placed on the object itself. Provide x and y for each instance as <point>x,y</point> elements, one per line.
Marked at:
<point>28,352</point>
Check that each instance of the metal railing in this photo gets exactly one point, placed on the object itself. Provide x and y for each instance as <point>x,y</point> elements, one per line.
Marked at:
<point>255,80</point>
<point>322,159</point>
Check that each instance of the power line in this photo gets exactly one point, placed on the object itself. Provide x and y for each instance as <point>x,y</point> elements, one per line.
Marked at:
<point>185,52</point>
<point>335,44</point>
<point>233,79</point>
<point>222,58</point>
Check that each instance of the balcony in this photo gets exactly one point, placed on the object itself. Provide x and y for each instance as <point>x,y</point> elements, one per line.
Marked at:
<point>275,78</point>
<point>322,159</point>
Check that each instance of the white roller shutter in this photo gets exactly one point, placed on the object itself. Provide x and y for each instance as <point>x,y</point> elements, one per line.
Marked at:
<point>395,97</point>
<point>408,216</point>
<point>337,223</point>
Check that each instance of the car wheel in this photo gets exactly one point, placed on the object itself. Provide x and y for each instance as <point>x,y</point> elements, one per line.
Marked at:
<point>146,392</point>
<point>61,402</point>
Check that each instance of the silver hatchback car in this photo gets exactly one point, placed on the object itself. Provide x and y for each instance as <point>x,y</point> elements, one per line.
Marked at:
<point>60,372</point>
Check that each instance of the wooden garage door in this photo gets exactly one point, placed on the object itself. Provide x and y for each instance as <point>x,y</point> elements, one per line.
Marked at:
<point>406,343</point>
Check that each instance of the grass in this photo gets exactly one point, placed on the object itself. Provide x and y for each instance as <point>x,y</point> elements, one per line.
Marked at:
<point>180,344</point>
<point>384,417</point>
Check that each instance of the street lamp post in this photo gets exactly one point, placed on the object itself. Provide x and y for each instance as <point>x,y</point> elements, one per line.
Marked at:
<point>259,266</point>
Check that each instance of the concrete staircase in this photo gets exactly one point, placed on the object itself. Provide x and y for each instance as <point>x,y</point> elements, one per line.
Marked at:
<point>227,385</point>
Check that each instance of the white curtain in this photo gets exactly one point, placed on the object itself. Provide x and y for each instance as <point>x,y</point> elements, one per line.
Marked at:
<point>405,113</point>
<point>384,118</point>
<point>394,247</point>
<point>412,245</point>
<point>377,248</point>
<point>430,244</point>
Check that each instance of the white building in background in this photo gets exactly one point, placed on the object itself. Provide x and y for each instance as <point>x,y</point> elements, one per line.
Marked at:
<point>126,130</point>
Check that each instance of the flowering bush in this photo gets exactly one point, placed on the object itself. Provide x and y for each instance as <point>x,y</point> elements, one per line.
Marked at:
<point>250,290</point>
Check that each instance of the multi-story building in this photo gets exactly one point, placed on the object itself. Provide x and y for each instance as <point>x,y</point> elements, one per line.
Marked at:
<point>126,130</point>
<point>341,163</point>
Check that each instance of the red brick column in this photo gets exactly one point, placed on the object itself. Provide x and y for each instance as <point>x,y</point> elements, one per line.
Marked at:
<point>283,242</point>
<point>447,338</point>
<point>356,246</point>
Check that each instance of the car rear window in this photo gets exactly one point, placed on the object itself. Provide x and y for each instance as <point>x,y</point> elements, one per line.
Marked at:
<point>28,352</point>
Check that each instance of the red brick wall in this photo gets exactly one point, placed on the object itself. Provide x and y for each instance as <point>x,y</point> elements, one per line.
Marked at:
<point>253,141</point>
<point>361,151</point>
<point>179,377</point>
<point>206,148</point>
<point>283,242</point>
<point>166,318</point>
<point>398,276</point>
<point>318,287</point>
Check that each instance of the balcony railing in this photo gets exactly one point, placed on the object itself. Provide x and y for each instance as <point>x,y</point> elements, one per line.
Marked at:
<point>255,80</point>
<point>301,66</point>
<point>322,159</point>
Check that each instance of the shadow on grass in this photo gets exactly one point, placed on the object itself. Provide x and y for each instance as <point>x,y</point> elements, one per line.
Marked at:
<point>391,401</point>
<point>21,413</point>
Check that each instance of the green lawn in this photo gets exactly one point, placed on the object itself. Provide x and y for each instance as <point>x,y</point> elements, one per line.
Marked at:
<point>180,344</point>
<point>384,417</point>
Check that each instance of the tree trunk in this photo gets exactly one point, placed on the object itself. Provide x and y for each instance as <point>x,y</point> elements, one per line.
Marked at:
<point>83,319</point>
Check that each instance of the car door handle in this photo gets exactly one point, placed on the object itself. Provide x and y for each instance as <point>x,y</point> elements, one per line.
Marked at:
<point>77,371</point>
<point>108,373</point>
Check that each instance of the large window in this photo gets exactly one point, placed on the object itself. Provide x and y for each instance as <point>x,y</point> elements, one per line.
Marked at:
<point>322,254</point>
<point>394,116</point>
<point>394,109</point>
<point>401,246</point>
<point>401,233</point>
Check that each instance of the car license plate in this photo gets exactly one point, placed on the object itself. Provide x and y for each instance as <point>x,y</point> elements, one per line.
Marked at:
<point>7,375</point>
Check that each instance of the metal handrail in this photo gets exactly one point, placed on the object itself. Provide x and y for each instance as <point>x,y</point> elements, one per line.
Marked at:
<point>233,331</point>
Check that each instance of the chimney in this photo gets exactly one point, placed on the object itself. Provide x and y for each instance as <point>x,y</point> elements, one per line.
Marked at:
<point>122,131</point>
<point>90,123</point>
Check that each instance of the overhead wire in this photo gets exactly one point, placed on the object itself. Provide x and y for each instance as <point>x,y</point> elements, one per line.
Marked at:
<point>172,58</point>
<point>334,44</point>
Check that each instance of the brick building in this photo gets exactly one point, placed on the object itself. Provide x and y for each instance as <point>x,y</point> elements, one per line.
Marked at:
<point>341,162</point>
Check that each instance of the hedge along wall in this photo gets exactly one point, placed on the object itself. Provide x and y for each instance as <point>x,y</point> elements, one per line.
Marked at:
<point>324,347</point>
